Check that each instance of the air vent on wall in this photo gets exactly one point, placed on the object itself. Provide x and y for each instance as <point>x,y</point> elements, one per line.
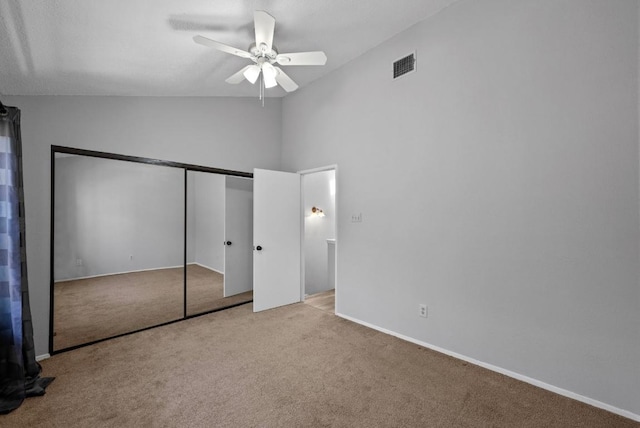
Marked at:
<point>404,65</point>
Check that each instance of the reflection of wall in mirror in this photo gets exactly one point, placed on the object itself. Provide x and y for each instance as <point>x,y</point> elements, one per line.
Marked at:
<point>115,216</point>
<point>205,229</point>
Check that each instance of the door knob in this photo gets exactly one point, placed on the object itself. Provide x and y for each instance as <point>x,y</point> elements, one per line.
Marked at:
<point>228,243</point>
<point>259,248</point>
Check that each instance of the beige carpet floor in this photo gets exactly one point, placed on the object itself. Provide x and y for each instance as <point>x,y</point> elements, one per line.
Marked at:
<point>294,366</point>
<point>95,308</point>
<point>325,301</point>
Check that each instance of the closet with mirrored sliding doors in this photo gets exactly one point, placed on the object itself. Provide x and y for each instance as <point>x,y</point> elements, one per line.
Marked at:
<point>138,243</point>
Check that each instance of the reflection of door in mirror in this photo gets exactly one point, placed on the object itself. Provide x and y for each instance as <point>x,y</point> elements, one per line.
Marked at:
<point>238,255</point>
<point>214,251</point>
<point>118,247</point>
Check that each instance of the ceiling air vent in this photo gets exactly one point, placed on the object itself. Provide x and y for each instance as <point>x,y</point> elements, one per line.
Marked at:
<point>404,65</point>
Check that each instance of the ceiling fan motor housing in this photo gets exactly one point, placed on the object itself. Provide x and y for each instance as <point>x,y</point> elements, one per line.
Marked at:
<point>261,52</point>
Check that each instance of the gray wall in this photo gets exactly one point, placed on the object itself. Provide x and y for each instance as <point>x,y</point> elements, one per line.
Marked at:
<point>203,131</point>
<point>116,217</point>
<point>316,190</point>
<point>498,185</point>
<point>208,225</point>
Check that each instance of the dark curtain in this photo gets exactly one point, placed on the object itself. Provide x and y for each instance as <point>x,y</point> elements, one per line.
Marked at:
<point>19,371</point>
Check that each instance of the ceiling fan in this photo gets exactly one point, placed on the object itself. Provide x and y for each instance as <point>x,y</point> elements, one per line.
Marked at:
<point>265,56</point>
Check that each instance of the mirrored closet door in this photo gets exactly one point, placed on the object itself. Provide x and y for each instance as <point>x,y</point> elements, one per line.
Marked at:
<point>219,241</point>
<point>118,254</point>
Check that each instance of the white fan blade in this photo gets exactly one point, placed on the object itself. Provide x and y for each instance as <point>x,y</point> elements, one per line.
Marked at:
<point>265,25</point>
<point>269,72</point>
<point>302,58</point>
<point>221,46</point>
<point>285,81</point>
<point>238,77</point>
<point>251,73</point>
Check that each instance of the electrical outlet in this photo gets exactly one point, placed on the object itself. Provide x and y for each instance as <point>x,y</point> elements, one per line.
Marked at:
<point>356,218</point>
<point>423,310</point>
<point>78,262</point>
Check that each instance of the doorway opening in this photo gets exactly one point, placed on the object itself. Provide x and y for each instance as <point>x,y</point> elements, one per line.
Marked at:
<point>319,243</point>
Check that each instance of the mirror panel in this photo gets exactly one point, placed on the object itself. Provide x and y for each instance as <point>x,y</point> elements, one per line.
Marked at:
<point>118,250</point>
<point>212,249</point>
<point>238,231</point>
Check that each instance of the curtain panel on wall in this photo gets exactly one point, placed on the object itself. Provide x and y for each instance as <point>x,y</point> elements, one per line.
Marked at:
<point>19,371</point>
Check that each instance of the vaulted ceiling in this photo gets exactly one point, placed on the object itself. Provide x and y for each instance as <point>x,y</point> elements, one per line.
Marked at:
<point>145,47</point>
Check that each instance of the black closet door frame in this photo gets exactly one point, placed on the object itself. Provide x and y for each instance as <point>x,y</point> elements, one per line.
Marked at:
<point>136,159</point>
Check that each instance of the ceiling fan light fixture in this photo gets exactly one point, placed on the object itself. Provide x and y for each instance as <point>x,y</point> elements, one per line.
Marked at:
<point>269,73</point>
<point>252,73</point>
<point>270,82</point>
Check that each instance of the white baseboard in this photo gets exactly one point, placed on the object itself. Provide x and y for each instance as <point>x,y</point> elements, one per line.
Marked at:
<point>135,271</point>
<point>42,357</point>
<point>116,273</point>
<point>529,380</point>
<point>206,267</point>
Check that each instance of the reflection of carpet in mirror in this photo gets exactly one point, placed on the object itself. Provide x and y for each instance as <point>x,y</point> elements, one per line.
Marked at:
<point>95,308</point>
<point>205,288</point>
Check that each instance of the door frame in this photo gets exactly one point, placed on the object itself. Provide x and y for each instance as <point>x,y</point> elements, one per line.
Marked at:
<point>332,167</point>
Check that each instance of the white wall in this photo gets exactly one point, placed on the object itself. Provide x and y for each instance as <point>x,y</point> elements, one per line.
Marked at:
<point>198,130</point>
<point>108,211</point>
<point>316,190</point>
<point>191,217</point>
<point>498,185</point>
<point>116,217</point>
<point>208,222</point>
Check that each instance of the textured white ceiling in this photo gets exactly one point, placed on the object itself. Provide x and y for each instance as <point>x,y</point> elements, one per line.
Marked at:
<point>145,47</point>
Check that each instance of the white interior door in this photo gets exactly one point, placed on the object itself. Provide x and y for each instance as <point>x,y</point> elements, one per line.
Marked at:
<point>276,239</point>
<point>238,241</point>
